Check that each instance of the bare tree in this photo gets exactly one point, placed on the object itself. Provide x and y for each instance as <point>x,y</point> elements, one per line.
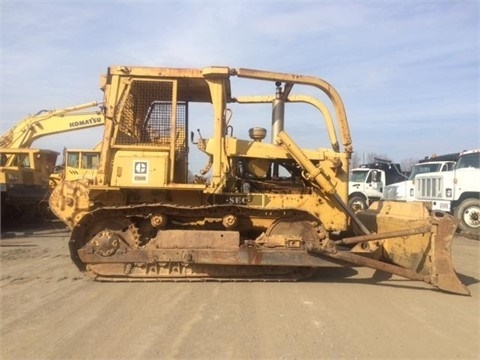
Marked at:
<point>355,161</point>
<point>407,164</point>
<point>370,157</point>
<point>366,158</point>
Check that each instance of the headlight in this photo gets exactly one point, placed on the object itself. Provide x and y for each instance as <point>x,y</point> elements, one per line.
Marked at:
<point>448,192</point>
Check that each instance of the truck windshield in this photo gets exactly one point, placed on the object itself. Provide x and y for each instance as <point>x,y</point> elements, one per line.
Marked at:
<point>358,175</point>
<point>423,168</point>
<point>471,160</point>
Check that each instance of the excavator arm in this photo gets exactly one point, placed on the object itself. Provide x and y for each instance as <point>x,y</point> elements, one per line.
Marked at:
<point>33,127</point>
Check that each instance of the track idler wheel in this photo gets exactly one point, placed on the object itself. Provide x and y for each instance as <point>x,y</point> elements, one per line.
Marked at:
<point>105,243</point>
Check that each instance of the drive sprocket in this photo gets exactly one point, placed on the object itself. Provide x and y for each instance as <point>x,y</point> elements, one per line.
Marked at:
<point>107,235</point>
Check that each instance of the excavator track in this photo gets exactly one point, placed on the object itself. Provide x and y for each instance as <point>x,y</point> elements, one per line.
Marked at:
<point>114,245</point>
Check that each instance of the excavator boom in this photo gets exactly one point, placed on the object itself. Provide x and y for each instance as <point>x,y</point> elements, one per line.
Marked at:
<point>49,122</point>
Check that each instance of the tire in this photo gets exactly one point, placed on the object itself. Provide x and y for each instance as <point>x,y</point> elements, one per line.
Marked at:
<point>468,212</point>
<point>357,202</point>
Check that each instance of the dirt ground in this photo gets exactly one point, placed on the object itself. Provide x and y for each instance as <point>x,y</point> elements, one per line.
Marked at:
<point>51,311</point>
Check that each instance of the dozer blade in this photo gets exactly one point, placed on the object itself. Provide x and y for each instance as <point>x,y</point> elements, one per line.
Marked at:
<point>405,234</point>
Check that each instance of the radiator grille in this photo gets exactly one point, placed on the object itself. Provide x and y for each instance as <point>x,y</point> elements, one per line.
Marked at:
<point>429,188</point>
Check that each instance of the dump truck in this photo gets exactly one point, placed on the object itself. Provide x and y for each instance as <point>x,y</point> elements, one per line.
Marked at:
<point>258,210</point>
<point>404,190</point>
<point>25,171</point>
<point>456,191</point>
<point>366,182</point>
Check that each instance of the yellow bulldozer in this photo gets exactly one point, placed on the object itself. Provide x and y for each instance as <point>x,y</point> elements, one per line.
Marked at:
<point>257,209</point>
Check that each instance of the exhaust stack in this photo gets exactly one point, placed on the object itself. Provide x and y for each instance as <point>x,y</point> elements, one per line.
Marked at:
<point>278,112</point>
<point>278,119</point>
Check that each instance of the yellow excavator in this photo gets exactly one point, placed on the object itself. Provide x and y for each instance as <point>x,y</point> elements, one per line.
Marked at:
<point>258,210</point>
<point>25,171</point>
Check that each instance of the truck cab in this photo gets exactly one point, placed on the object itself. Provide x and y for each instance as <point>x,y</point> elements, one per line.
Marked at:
<point>456,191</point>
<point>367,182</point>
<point>404,190</point>
<point>365,185</point>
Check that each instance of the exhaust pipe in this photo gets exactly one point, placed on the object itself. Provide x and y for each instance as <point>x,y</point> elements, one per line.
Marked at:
<point>278,112</point>
<point>278,119</point>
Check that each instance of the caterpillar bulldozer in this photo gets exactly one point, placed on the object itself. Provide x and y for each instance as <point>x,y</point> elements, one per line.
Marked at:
<point>258,210</point>
<point>25,171</point>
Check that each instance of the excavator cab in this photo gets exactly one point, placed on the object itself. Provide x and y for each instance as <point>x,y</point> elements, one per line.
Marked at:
<point>24,177</point>
<point>259,209</point>
<point>81,163</point>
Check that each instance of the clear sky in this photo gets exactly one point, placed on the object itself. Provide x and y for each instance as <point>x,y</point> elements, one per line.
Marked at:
<point>408,71</point>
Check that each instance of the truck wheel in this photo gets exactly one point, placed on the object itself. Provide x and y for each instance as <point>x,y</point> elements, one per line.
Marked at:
<point>468,212</point>
<point>357,202</point>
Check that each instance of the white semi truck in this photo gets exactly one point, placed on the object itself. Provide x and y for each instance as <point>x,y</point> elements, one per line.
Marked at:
<point>456,191</point>
<point>405,190</point>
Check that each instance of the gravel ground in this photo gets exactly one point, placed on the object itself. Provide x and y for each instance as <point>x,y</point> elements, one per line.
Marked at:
<point>51,311</point>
